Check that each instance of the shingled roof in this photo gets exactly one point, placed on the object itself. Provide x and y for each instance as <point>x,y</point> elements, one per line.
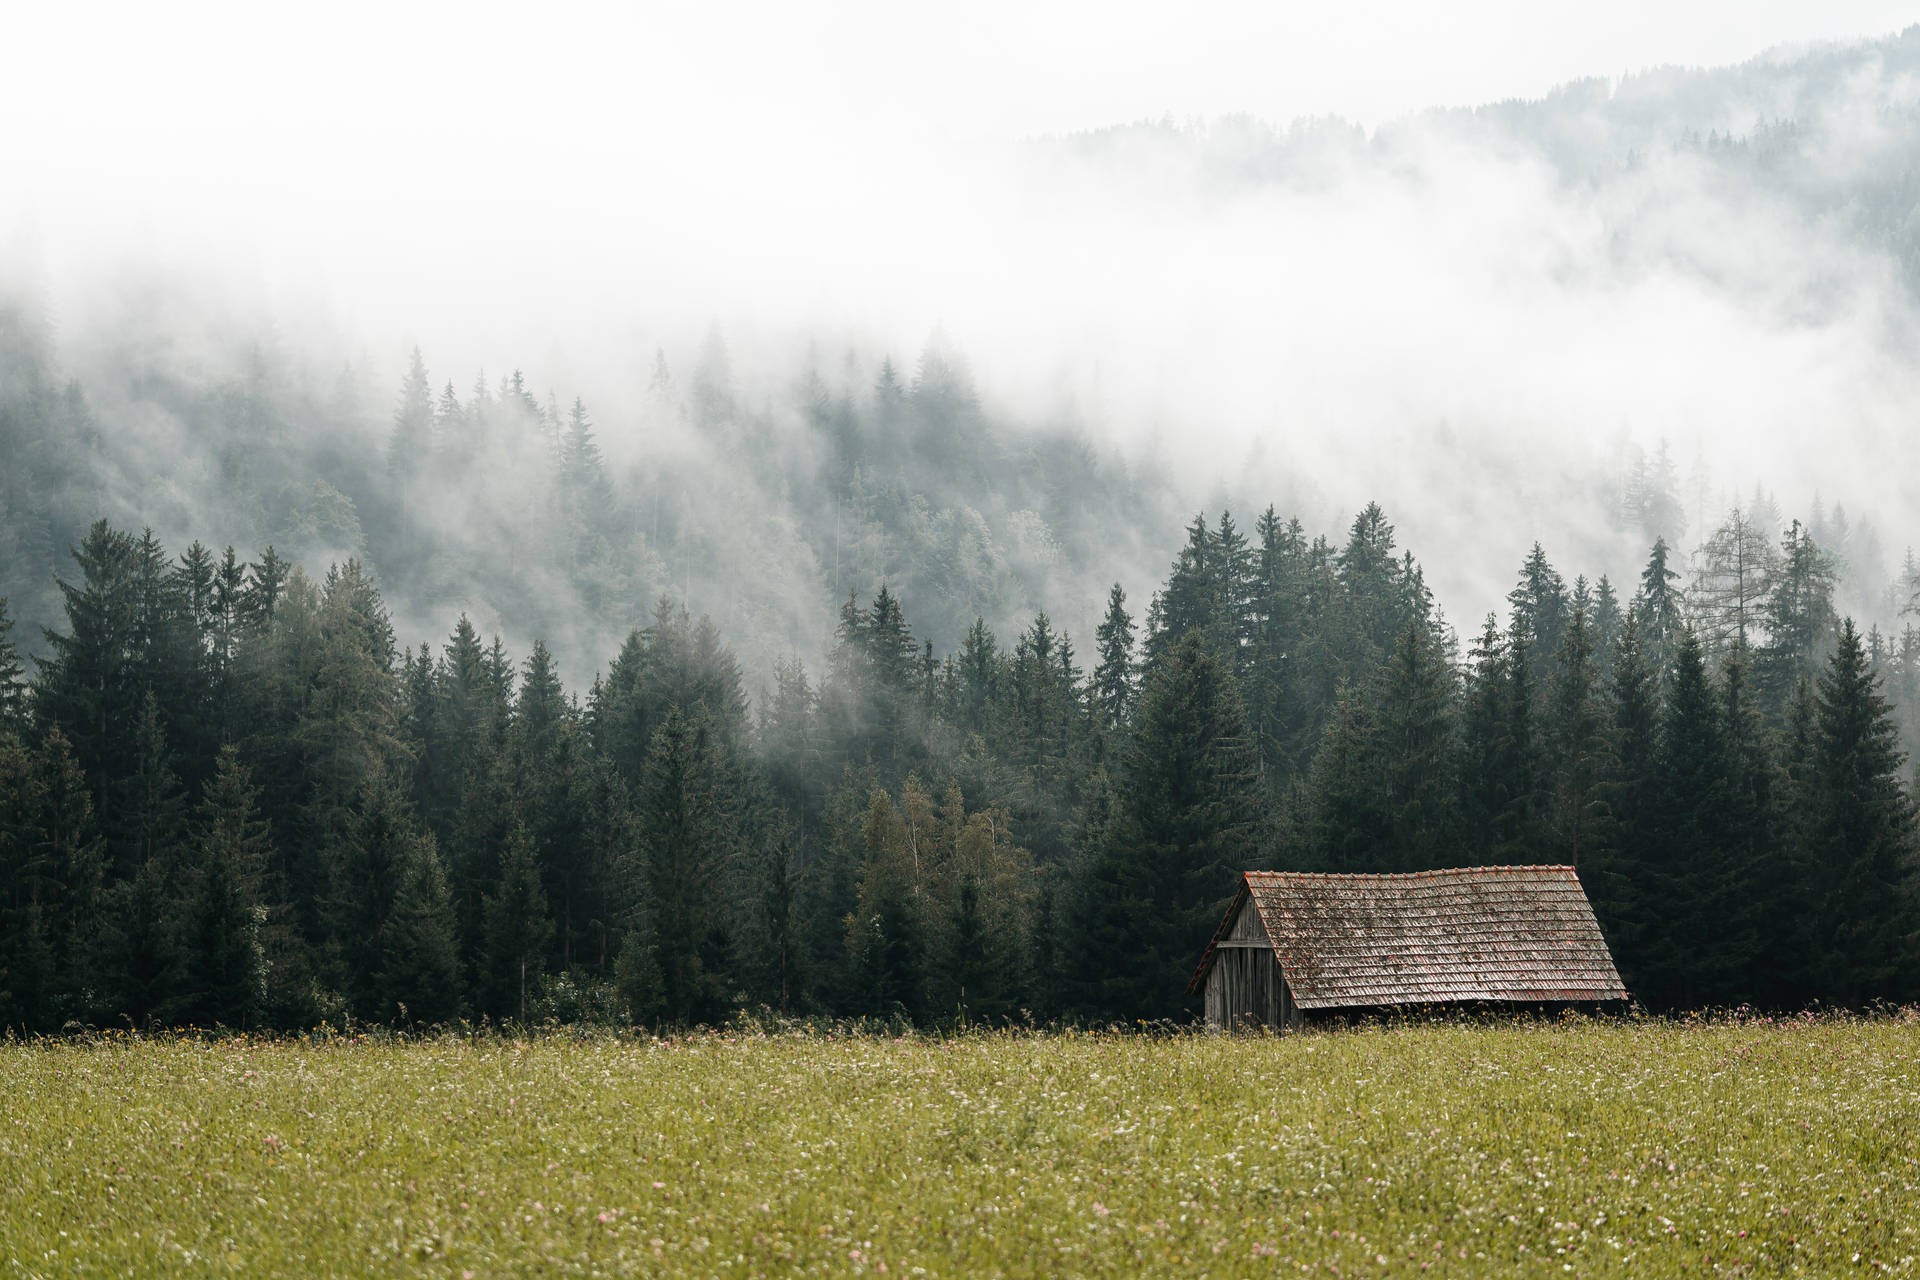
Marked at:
<point>1475,933</point>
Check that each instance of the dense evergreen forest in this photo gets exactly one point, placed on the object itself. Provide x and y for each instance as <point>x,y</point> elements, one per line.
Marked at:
<point>229,796</point>
<point>918,721</point>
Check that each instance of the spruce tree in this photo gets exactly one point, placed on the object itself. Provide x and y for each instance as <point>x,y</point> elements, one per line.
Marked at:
<point>1416,722</point>
<point>419,975</point>
<point>1235,621</point>
<point>137,955</point>
<point>979,670</point>
<point>637,980</point>
<point>151,808</point>
<point>1502,799</point>
<point>13,681</point>
<point>886,933</point>
<point>1105,915</point>
<point>1113,686</point>
<point>1273,694</point>
<point>1621,868</point>
<point>27,964</point>
<point>364,873</point>
<point>778,942</point>
<point>1541,606</point>
<point>679,826</point>
<point>518,929</point>
<point>411,443</point>
<point>1800,619</point>
<point>1659,607</point>
<point>86,684</point>
<point>1698,946</point>
<point>1336,818</point>
<point>1372,592</point>
<point>1189,821</point>
<point>1575,744</point>
<point>1189,601</point>
<point>1769,900</point>
<point>224,966</point>
<point>64,867</point>
<point>1608,620</point>
<point>1860,837</point>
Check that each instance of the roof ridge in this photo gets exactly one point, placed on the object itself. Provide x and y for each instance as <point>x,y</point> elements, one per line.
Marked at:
<point>1496,869</point>
<point>1511,931</point>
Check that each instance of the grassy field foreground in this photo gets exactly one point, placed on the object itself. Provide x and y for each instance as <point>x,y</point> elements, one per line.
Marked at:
<point>1582,1148</point>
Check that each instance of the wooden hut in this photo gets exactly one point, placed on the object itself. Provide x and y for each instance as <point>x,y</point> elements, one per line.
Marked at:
<point>1297,942</point>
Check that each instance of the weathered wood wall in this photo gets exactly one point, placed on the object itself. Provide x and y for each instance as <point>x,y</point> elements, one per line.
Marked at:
<point>1245,989</point>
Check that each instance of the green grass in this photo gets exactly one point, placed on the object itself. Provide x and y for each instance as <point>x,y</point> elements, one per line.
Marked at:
<point>1577,1148</point>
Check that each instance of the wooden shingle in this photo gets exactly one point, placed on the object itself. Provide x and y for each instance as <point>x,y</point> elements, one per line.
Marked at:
<point>1472,934</point>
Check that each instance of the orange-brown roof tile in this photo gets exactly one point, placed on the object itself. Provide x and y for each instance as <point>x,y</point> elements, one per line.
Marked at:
<point>1431,937</point>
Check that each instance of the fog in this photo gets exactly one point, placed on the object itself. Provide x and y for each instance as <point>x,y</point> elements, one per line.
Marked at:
<point>1313,276</point>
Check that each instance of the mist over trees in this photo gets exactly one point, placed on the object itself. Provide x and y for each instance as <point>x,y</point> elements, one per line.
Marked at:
<point>816,676</point>
<point>229,796</point>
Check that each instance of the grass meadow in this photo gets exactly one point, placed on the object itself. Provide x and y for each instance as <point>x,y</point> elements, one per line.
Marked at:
<point>1579,1147</point>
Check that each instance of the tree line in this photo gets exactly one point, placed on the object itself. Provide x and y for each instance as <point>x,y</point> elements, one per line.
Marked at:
<point>230,796</point>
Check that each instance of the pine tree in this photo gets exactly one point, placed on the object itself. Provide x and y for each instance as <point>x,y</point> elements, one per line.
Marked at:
<point>137,955</point>
<point>448,420</point>
<point>1485,790</point>
<point>223,964</point>
<point>419,973</point>
<point>886,942</point>
<point>1113,687</point>
<point>1735,576</point>
<point>1502,787</point>
<point>1575,744</point>
<point>586,492</point>
<point>1621,866</point>
<point>1541,606</point>
<point>266,582</point>
<point>1697,951</point>
<point>1190,820</point>
<point>1236,597</point>
<point>87,682</point>
<point>13,682</point>
<point>979,670</point>
<point>1608,620</point>
<point>1273,693</point>
<point>28,1000</point>
<point>679,826</point>
<point>1418,780</point>
<point>1336,819</point>
<point>1371,589</point>
<point>637,978</point>
<point>1800,619</point>
<point>518,930</point>
<point>1658,606</point>
<point>1189,601</point>
<point>411,443</point>
<point>365,867</point>
<point>1860,837</point>
<point>1769,900</point>
<point>151,808</point>
<point>1104,914</point>
<point>779,944</point>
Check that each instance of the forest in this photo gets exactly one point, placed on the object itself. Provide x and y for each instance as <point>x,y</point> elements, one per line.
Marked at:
<point>805,677</point>
<point>229,796</point>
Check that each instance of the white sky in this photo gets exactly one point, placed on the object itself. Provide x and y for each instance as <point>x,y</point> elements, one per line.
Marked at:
<point>542,184</point>
<point>246,109</point>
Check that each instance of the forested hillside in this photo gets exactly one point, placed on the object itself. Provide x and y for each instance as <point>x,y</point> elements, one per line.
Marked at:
<point>806,673</point>
<point>502,502</point>
<point>229,795</point>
